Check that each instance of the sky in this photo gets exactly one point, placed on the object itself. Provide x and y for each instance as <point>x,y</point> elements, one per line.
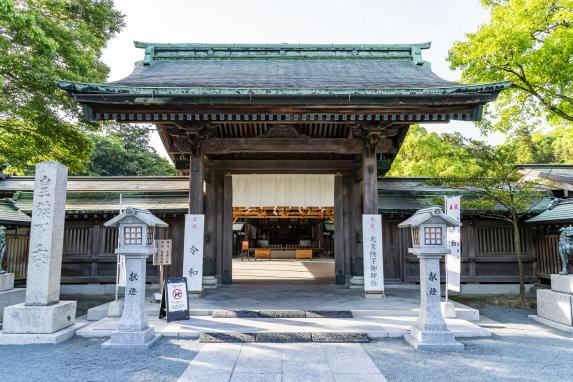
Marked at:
<point>442,22</point>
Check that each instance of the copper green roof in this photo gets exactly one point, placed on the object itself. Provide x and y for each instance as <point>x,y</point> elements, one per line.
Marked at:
<point>561,211</point>
<point>108,202</point>
<point>9,214</point>
<point>281,73</point>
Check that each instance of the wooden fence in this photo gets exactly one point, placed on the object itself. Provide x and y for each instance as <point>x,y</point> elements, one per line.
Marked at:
<point>547,250</point>
<point>17,254</point>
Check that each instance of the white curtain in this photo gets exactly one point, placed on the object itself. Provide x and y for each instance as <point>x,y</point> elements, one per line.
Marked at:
<point>276,190</point>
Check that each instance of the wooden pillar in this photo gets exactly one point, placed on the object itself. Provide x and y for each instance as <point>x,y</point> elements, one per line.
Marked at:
<point>347,229</point>
<point>356,219</point>
<point>369,182</point>
<point>210,249</point>
<point>227,232</point>
<point>218,233</point>
<point>196,177</point>
<point>177,226</point>
<point>339,230</point>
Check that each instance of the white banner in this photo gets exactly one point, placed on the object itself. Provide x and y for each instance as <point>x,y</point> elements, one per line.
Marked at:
<point>372,253</point>
<point>193,252</point>
<point>454,259</point>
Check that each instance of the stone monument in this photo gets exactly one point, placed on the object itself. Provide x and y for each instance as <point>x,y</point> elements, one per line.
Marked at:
<point>136,228</point>
<point>8,294</point>
<point>555,306</point>
<point>428,228</point>
<point>43,312</point>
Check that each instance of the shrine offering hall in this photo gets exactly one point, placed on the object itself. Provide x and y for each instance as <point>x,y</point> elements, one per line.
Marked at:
<point>283,145</point>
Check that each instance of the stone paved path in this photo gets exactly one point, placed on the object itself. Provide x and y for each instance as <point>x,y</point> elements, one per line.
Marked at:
<point>298,362</point>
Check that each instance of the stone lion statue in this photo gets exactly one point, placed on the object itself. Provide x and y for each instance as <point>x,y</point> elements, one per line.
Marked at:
<point>565,248</point>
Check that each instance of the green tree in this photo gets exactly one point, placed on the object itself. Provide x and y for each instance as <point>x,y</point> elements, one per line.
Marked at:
<point>529,42</point>
<point>500,191</point>
<point>42,41</point>
<point>124,150</point>
<point>431,154</point>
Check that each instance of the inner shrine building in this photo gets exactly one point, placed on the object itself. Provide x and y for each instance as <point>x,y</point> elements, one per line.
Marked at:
<point>285,142</point>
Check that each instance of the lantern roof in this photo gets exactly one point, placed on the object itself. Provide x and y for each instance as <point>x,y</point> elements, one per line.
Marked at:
<point>130,213</point>
<point>431,215</point>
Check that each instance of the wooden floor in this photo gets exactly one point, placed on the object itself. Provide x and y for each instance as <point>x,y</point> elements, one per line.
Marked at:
<point>284,271</point>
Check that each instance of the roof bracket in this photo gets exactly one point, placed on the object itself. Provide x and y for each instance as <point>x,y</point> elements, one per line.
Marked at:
<point>149,53</point>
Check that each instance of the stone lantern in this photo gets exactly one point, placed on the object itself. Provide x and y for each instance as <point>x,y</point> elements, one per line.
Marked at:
<point>135,243</point>
<point>428,229</point>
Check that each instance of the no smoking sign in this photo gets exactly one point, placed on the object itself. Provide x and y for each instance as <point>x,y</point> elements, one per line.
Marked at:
<point>177,294</point>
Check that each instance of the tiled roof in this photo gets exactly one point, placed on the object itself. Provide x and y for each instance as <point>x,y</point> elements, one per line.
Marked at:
<point>104,183</point>
<point>109,202</point>
<point>9,214</point>
<point>283,69</point>
<point>559,212</point>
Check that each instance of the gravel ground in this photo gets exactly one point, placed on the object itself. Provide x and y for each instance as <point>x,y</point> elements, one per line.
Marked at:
<point>523,351</point>
<point>81,359</point>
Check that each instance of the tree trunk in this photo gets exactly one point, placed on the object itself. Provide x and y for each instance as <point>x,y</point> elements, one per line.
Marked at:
<point>517,247</point>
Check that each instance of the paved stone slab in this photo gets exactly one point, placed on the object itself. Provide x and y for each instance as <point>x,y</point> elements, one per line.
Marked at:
<point>260,359</point>
<point>282,314</point>
<point>213,363</point>
<point>340,337</point>
<point>284,337</point>
<point>296,362</point>
<point>329,314</point>
<point>227,337</point>
<point>359,378</point>
<point>349,359</point>
<point>255,377</point>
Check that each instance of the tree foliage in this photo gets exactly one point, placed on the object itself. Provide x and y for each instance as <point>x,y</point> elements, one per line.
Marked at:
<point>427,154</point>
<point>500,191</point>
<point>42,41</point>
<point>529,42</point>
<point>124,150</point>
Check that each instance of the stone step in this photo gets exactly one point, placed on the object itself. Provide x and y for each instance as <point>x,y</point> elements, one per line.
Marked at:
<point>284,337</point>
<point>282,314</point>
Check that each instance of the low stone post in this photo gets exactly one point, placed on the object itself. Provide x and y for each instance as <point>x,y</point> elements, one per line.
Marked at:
<point>136,227</point>
<point>428,227</point>
<point>43,313</point>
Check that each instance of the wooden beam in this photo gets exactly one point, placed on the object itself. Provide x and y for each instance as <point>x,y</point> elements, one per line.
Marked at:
<point>282,145</point>
<point>301,166</point>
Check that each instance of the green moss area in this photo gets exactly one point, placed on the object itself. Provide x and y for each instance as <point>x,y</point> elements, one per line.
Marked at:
<point>506,301</point>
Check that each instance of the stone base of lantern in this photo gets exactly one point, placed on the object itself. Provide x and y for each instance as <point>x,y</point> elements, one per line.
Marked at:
<point>132,339</point>
<point>435,340</point>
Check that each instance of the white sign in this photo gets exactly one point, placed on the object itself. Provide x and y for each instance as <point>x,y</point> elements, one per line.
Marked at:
<point>163,254</point>
<point>177,297</point>
<point>372,253</point>
<point>193,252</point>
<point>453,259</point>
